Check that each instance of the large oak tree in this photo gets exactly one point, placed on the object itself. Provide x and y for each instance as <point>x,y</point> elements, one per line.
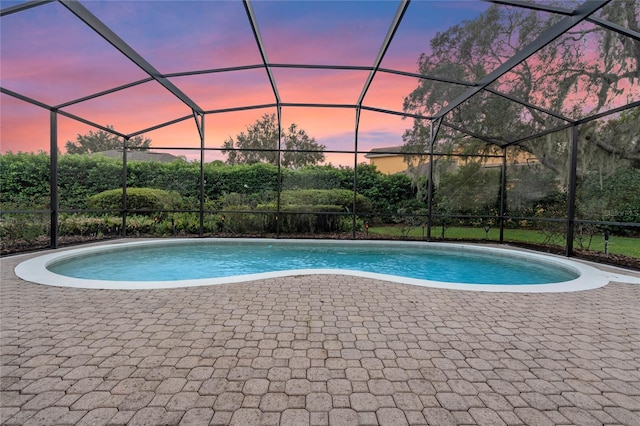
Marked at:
<point>588,70</point>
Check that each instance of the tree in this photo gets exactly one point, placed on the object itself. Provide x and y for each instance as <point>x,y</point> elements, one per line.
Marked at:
<point>564,77</point>
<point>260,144</point>
<point>103,141</point>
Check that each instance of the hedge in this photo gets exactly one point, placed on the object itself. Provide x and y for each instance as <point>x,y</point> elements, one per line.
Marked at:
<point>24,179</point>
<point>332,197</point>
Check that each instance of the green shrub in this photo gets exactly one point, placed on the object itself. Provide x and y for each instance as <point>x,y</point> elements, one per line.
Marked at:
<point>26,227</point>
<point>151,199</point>
<point>614,199</point>
<point>301,211</point>
<point>242,179</point>
<point>141,226</point>
<point>81,176</point>
<point>24,180</point>
<point>251,200</point>
<point>300,218</point>
<point>315,177</point>
<point>320,221</point>
<point>179,223</point>
<point>385,192</point>
<point>85,225</point>
<point>346,224</point>
<point>180,176</point>
<point>245,223</point>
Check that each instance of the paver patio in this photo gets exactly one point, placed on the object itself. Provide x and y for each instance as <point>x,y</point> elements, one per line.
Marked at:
<point>317,350</point>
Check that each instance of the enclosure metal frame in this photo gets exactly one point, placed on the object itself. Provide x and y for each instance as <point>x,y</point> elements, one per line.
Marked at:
<point>571,18</point>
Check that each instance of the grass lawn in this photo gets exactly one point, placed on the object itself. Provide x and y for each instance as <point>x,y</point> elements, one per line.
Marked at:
<point>617,245</point>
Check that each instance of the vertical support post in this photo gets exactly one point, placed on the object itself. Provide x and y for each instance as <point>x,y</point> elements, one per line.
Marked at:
<point>433,134</point>
<point>124,188</point>
<point>355,176</point>
<point>200,125</point>
<point>202,193</point>
<point>503,193</point>
<point>279,178</point>
<point>573,182</point>
<point>430,183</point>
<point>53,178</point>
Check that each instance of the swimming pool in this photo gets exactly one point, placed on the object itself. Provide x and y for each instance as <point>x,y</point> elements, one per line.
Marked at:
<point>171,263</point>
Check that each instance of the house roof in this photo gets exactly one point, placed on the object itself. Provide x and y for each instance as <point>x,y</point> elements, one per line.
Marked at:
<point>390,151</point>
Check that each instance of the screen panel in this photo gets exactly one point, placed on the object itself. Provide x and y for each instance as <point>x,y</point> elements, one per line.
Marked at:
<point>608,199</point>
<point>181,36</point>
<point>320,32</point>
<point>50,55</point>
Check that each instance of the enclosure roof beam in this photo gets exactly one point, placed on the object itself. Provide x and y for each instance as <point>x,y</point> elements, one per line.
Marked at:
<point>91,123</point>
<point>402,8</point>
<point>538,135</point>
<point>555,9</point>
<point>321,67</point>
<point>317,105</point>
<point>24,6</point>
<point>61,112</point>
<point>314,105</point>
<point>615,27</point>
<point>26,99</point>
<point>103,30</point>
<point>104,92</point>
<point>213,70</point>
<point>242,108</point>
<point>576,122</point>
<point>324,67</point>
<point>215,111</point>
<point>472,134</point>
<point>402,114</point>
<point>609,112</point>
<point>528,104</point>
<point>263,52</point>
<point>295,66</point>
<point>581,13</point>
<point>427,77</point>
<point>159,126</point>
<point>534,6</point>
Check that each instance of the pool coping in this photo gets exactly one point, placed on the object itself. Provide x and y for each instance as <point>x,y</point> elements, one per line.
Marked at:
<point>35,269</point>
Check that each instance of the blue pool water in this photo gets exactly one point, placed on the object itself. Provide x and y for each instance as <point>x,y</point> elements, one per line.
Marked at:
<point>169,262</point>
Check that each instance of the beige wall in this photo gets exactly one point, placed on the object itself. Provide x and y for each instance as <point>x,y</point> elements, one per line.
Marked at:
<point>389,164</point>
<point>394,163</point>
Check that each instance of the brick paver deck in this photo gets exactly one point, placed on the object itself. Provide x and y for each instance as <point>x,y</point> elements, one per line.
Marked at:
<point>317,350</point>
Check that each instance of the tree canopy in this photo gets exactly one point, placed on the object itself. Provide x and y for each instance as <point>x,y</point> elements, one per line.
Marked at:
<point>588,70</point>
<point>260,144</point>
<point>103,141</point>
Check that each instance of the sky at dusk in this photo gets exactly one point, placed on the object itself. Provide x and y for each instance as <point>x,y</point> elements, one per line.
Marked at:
<point>51,56</point>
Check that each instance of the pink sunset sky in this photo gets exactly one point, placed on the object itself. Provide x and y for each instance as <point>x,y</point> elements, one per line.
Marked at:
<point>49,55</point>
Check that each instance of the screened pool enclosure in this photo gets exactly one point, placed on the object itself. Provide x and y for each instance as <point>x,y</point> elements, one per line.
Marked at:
<point>507,121</point>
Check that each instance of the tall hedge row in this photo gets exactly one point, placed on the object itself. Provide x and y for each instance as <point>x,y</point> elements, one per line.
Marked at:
<point>24,180</point>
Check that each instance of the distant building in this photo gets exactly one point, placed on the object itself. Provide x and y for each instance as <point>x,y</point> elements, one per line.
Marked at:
<point>146,156</point>
<point>392,160</point>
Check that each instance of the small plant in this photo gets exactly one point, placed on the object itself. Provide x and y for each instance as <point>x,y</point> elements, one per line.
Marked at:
<point>25,227</point>
<point>346,224</point>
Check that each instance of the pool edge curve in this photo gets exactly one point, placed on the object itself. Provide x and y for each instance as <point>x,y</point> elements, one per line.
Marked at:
<point>35,269</point>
